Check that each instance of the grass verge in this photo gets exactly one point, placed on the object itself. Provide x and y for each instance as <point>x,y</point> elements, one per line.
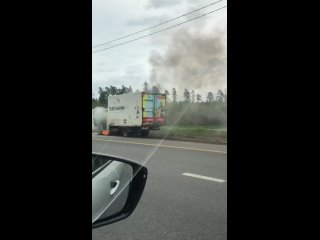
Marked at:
<point>209,134</point>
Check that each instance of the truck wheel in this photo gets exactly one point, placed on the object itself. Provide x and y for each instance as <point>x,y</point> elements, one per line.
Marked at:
<point>144,133</point>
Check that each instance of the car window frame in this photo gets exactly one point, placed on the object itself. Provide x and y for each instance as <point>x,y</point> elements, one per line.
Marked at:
<point>101,168</point>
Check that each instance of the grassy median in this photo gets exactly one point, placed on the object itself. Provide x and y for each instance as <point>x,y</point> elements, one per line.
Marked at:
<point>209,134</point>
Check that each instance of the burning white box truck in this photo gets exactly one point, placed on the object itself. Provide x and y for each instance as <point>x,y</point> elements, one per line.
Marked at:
<point>136,113</point>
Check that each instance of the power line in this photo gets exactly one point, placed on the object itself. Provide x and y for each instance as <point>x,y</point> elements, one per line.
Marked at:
<point>158,31</point>
<point>98,45</point>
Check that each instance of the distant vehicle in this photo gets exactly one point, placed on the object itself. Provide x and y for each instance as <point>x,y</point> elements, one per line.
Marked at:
<point>136,113</point>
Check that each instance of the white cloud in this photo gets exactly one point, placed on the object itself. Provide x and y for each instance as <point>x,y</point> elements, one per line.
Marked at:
<point>162,3</point>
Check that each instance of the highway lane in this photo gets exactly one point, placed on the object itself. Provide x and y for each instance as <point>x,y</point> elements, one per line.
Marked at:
<point>173,206</point>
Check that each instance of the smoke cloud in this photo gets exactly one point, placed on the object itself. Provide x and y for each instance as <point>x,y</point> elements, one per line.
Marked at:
<point>99,118</point>
<point>193,60</point>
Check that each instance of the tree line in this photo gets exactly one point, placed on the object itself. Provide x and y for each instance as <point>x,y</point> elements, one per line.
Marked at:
<point>188,96</point>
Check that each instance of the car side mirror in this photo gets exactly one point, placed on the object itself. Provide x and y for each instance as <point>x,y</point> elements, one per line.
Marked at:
<point>117,185</point>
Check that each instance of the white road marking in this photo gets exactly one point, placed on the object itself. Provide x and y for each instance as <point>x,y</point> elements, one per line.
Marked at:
<point>156,145</point>
<point>204,177</point>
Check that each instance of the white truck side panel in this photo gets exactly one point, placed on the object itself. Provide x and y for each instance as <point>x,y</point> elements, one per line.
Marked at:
<point>125,110</point>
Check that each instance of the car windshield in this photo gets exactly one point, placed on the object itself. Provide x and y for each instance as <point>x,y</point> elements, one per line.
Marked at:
<point>159,98</point>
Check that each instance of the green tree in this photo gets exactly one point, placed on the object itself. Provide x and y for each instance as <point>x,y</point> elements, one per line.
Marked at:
<point>123,90</point>
<point>102,97</point>
<point>198,97</point>
<point>220,96</point>
<point>166,92</point>
<point>145,87</point>
<point>210,97</point>
<point>113,90</point>
<point>95,103</point>
<point>186,95</point>
<point>174,95</point>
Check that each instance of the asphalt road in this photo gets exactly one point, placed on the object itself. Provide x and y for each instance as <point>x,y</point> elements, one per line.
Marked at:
<point>173,206</point>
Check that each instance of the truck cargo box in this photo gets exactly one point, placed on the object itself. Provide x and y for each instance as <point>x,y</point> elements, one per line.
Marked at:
<point>146,110</point>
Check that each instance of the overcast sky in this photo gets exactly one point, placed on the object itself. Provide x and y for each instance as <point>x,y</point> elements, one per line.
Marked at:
<point>192,55</point>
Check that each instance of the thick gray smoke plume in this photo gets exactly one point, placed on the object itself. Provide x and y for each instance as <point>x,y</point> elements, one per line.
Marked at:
<point>99,118</point>
<point>193,60</point>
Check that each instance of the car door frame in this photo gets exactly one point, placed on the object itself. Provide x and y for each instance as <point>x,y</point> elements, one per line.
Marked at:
<point>136,185</point>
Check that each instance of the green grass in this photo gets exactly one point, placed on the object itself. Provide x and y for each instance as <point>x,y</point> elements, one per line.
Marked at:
<point>210,134</point>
